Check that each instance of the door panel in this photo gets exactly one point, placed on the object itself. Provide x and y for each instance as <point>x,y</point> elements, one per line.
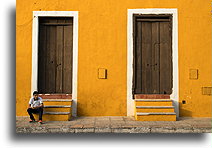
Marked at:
<point>59,59</point>
<point>165,58</point>
<point>153,56</point>
<point>55,55</point>
<point>68,58</point>
<point>146,51</point>
<point>137,66</point>
<point>42,58</point>
<point>50,63</point>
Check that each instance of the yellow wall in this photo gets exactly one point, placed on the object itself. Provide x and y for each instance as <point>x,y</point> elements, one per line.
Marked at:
<point>103,44</point>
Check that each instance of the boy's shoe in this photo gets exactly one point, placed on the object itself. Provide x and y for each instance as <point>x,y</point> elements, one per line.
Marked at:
<point>40,121</point>
<point>31,121</point>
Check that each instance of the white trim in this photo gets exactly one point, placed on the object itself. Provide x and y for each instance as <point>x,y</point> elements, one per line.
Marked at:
<point>35,29</point>
<point>175,94</point>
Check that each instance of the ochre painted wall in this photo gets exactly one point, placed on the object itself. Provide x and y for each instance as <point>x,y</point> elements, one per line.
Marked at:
<point>103,44</point>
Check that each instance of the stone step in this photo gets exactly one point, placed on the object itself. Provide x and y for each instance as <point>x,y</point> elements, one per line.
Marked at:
<point>55,116</point>
<point>154,106</point>
<point>153,100</point>
<point>153,103</point>
<point>151,96</point>
<point>57,100</point>
<point>154,109</point>
<point>57,106</point>
<point>56,113</point>
<point>55,96</point>
<point>57,109</point>
<point>155,113</point>
<point>155,116</point>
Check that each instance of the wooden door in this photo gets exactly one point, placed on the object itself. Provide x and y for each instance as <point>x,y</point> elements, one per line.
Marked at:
<point>55,55</point>
<point>152,54</point>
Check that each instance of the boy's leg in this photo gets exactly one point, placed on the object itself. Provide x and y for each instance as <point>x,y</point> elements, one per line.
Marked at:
<point>40,113</point>
<point>30,111</point>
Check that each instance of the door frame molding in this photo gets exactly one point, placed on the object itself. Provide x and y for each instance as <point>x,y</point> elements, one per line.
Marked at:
<point>175,92</point>
<point>35,29</point>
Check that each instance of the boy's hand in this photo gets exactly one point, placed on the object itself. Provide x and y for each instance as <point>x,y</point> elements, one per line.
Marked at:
<point>36,107</point>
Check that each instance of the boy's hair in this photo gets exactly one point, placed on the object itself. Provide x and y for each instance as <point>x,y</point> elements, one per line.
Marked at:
<point>35,93</point>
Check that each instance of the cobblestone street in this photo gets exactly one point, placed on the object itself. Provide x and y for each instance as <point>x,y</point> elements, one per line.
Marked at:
<point>113,124</point>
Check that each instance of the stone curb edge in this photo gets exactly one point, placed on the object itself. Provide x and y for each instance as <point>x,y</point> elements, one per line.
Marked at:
<point>112,130</point>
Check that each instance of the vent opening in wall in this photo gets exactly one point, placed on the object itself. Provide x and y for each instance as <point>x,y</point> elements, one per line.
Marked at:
<point>183,102</point>
<point>206,91</point>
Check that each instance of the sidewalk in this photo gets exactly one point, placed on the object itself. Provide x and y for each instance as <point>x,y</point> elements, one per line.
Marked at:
<point>114,124</point>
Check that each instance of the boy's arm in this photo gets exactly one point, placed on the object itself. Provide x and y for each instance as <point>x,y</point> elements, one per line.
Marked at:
<point>39,105</point>
<point>30,102</point>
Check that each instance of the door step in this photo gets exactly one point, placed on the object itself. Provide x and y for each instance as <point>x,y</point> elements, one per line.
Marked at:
<point>153,102</point>
<point>55,116</point>
<point>155,117</point>
<point>154,106</point>
<point>56,113</point>
<point>55,96</point>
<point>155,113</point>
<point>57,100</point>
<point>156,109</point>
<point>57,107</point>
<point>144,109</point>
<point>149,96</point>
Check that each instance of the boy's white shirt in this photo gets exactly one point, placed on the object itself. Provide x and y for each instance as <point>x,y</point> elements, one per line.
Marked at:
<point>35,103</point>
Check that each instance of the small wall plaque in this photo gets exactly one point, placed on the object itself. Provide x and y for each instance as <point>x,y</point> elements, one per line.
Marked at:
<point>102,73</point>
<point>193,74</point>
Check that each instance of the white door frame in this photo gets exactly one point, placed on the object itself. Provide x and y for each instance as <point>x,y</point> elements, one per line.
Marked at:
<point>35,29</point>
<point>175,91</point>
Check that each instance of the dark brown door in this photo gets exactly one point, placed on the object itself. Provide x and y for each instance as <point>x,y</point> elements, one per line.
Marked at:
<point>55,55</point>
<point>152,54</point>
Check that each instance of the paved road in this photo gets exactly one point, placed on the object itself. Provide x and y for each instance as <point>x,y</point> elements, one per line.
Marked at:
<point>114,124</point>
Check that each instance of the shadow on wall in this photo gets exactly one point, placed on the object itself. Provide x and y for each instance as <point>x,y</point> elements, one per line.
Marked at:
<point>184,112</point>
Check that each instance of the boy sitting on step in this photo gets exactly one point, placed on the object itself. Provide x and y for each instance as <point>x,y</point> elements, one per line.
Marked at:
<point>35,106</point>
